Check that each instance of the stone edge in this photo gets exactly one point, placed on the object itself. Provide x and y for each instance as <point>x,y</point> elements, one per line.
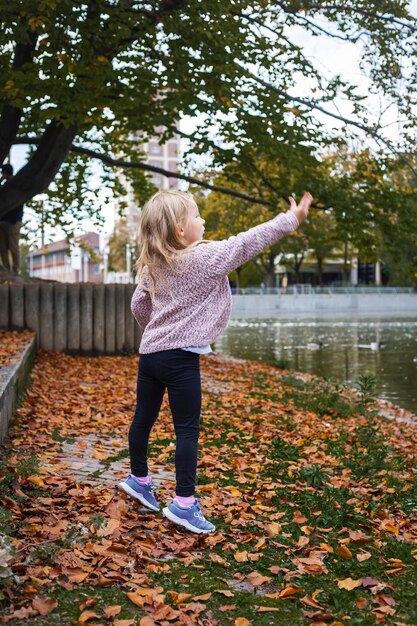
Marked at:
<point>13,385</point>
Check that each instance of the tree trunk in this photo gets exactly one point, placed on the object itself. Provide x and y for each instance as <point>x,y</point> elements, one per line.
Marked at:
<point>11,116</point>
<point>238,271</point>
<point>320,270</point>
<point>41,170</point>
<point>345,262</point>
<point>270,276</point>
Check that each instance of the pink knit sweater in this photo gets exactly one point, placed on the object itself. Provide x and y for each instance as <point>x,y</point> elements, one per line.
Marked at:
<point>192,304</point>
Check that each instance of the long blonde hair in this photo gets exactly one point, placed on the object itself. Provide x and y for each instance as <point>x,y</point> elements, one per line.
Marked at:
<point>159,241</point>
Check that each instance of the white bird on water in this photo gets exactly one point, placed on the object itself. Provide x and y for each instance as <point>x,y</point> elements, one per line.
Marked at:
<point>314,346</point>
<point>374,345</point>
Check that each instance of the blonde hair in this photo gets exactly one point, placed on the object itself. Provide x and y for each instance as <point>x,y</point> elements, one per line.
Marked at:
<point>158,237</point>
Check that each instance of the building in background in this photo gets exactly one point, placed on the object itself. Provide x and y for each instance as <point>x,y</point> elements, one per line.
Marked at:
<point>75,262</point>
<point>166,156</point>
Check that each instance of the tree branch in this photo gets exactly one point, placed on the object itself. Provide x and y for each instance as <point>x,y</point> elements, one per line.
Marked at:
<point>310,105</point>
<point>37,174</point>
<point>146,167</point>
<point>347,9</point>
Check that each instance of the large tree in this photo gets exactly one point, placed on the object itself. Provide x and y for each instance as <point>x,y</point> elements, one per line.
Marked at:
<point>78,80</point>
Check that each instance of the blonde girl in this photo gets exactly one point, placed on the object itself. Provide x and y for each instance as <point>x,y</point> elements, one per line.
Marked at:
<point>183,302</point>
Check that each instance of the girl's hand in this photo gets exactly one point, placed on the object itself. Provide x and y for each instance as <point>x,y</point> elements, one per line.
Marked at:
<point>301,210</point>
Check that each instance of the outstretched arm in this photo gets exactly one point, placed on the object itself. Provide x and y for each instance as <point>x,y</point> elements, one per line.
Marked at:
<point>225,256</point>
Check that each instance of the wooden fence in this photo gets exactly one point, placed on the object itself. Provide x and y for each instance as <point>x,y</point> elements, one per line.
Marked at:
<point>78,318</point>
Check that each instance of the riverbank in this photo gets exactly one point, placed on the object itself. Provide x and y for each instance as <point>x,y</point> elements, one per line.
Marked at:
<point>312,493</point>
<point>268,305</point>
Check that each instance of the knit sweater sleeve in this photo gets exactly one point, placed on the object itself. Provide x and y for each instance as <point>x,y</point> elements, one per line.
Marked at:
<point>141,306</point>
<point>225,256</point>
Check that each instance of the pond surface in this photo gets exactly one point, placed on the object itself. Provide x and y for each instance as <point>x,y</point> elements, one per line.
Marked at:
<point>340,348</point>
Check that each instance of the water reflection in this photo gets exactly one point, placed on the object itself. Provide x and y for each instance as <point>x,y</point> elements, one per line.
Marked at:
<point>340,349</point>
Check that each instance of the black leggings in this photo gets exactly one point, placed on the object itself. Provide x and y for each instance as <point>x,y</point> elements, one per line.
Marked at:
<point>179,372</point>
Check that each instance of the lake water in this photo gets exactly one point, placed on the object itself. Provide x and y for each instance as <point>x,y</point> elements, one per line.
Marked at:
<point>339,347</point>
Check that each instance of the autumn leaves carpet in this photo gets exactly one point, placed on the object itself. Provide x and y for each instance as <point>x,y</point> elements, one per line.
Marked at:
<point>313,494</point>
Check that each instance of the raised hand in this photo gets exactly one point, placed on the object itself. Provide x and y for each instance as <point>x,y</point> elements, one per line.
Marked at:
<point>301,209</point>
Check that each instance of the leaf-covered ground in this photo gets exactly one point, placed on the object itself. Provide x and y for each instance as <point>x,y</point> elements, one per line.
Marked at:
<point>11,345</point>
<point>313,494</point>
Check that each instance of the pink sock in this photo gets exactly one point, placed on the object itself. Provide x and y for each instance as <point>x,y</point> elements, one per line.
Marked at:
<point>184,502</point>
<point>144,480</point>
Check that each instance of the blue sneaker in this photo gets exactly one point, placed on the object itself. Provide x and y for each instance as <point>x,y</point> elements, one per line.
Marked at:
<point>143,493</point>
<point>191,518</point>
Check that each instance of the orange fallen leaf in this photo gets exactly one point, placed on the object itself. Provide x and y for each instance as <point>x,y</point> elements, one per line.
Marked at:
<point>361,603</point>
<point>308,601</point>
<point>112,611</point>
<point>256,579</point>
<point>242,621</point>
<point>273,529</point>
<point>225,592</point>
<point>349,583</point>
<point>206,596</point>
<point>389,527</point>
<point>147,621</point>
<point>363,556</point>
<point>44,606</point>
<point>241,557</point>
<point>182,597</point>
<point>86,616</point>
<point>216,558</point>
<point>289,591</point>
<point>124,622</point>
<point>86,603</point>
<point>299,518</point>
<point>344,552</point>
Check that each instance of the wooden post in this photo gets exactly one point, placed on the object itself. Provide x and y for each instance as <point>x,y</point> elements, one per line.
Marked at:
<point>130,322</point>
<point>4,306</point>
<point>17,308</point>
<point>46,321</point>
<point>86,305</point>
<point>60,317</point>
<point>110,319</point>
<point>99,317</point>
<point>120,318</point>
<point>73,326</point>
<point>32,306</point>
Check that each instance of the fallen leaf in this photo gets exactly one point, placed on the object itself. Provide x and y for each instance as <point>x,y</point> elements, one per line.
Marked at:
<point>112,611</point>
<point>363,556</point>
<point>369,582</point>
<point>242,621</point>
<point>206,596</point>
<point>344,552</point>
<point>241,557</point>
<point>44,606</point>
<point>289,591</point>
<point>349,584</point>
<point>299,518</point>
<point>225,592</point>
<point>273,529</point>
<point>86,616</point>
<point>256,579</point>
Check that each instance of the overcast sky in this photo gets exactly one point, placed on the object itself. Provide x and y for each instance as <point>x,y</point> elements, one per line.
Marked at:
<point>331,55</point>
